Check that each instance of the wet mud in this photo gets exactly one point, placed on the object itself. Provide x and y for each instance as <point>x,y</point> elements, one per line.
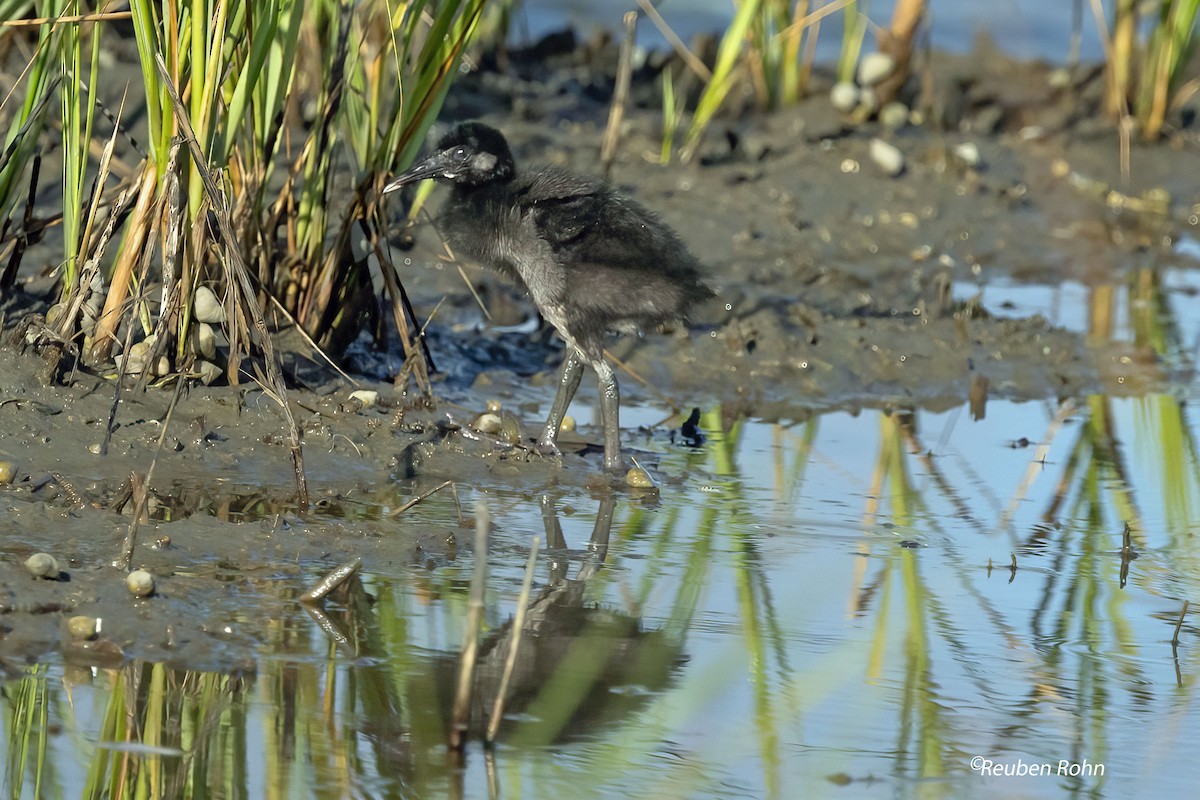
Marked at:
<point>838,286</point>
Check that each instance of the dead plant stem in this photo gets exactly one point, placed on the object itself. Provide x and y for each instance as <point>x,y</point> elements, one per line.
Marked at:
<point>518,627</point>
<point>463,695</point>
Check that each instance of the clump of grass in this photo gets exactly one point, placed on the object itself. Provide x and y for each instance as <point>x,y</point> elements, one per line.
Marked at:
<point>389,89</point>
<point>774,60</point>
<point>854,27</point>
<point>375,72</point>
<point>1145,76</point>
<point>724,74</point>
<point>1171,42</point>
<point>772,42</point>
<point>27,106</point>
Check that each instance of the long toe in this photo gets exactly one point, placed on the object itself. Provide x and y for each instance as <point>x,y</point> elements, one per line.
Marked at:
<point>547,446</point>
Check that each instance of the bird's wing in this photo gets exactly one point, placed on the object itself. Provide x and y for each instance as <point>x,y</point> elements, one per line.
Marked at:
<point>563,207</point>
<point>563,220</point>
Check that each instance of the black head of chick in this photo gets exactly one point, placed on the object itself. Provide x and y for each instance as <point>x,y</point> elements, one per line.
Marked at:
<point>470,155</point>
<point>592,260</point>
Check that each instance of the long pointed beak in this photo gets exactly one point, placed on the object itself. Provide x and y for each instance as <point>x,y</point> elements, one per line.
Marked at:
<point>431,167</point>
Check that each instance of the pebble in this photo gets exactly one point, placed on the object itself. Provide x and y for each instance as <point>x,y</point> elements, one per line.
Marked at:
<point>140,583</point>
<point>43,565</point>
<point>8,471</point>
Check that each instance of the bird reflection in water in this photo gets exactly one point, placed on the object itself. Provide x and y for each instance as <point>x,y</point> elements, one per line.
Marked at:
<point>593,654</point>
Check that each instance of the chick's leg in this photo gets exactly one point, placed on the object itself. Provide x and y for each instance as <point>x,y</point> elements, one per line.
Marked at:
<point>568,383</point>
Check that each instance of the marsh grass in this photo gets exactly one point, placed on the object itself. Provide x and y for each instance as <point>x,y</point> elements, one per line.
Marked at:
<point>250,76</point>
<point>27,712</point>
<point>236,191</point>
<point>771,44</point>
<point>386,91</point>
<point>1170,44</point>
<point>27,107</point>
<point>725,74</point>
<point>672,113</point>
<point>1145,72</point>
<point>854,28</point>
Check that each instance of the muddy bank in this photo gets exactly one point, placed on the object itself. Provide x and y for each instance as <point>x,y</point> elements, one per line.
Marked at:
<point>838,286</point>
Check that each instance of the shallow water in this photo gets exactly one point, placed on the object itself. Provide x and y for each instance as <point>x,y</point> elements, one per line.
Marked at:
<point>806,605</point>
<point>1021,28</point>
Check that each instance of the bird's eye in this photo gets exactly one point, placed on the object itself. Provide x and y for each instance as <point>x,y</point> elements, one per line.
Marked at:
<point>460,152</point>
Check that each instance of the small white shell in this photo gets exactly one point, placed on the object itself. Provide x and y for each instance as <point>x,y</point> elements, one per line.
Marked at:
<point>140,583</point>
<point>488,423</point>
<point>844,96</point>
<point>43,565</point>
<point>206,307</point>
<point>83,627</point>
<point>887,157</point>
<point>968,154</point>
<point>365,397</point>
<point>893,116</point>
<point>90,312</point>
<point>874,67</point>
<point>206,371</point>
<point>204,341</point>
<point>868,102</point>
<point>136,359</point>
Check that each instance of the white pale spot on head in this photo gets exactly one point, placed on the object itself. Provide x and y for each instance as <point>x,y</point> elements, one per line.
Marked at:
<point>483,162</point>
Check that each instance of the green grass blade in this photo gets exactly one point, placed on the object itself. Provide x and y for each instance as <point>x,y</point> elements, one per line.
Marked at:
<point>723,78</point>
